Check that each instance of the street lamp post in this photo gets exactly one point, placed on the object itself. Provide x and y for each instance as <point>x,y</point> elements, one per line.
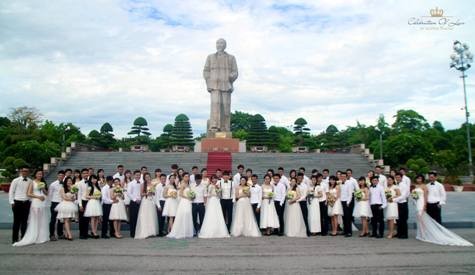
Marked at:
<point>461,59</point>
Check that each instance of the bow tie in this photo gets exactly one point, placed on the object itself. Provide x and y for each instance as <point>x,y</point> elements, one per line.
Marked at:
<point>432,183</point>
<point>25,179</point>
<point>373,186</point>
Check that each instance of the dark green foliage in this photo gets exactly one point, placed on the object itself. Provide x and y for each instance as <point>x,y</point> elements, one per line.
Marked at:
<point>240,121</point>
<point>258,133</point>
<point>181,133</point>
<point>139,127</point>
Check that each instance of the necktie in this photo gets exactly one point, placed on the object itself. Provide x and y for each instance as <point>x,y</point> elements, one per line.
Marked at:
<point>25,179</point>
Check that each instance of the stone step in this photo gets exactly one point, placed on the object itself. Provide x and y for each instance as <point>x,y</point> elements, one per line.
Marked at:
<point>259,162</point>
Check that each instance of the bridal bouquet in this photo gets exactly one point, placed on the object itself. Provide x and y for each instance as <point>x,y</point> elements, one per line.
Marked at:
<point>270,195</point>
<point>388,193</point>
<point>41,185</point>
<point>97,194</point>
<point>331,200</point>
<point>172,193</point>
<point>246,190</point>
<point>291,195</point>
<point>74,189</point>
<point>217,190</point>
<point>151,189</point>
<point>358,195</point>
<point>414,195</point>
<point>118,190</point>
<point>191,194</point>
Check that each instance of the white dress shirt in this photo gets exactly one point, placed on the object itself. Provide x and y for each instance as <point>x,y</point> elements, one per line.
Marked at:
<point>303,189</point>
<point>436,193</point>
<point>307,180</point>
<point>285,181</point>
<point>227,189</point>
<point>134,191</point>
<point>159,192</point>
<point>383,181</point>
<point>280,192</point>
<point>106,195</point>
<point>83,191</point>
<point>377,195</point>
<point>119,176</point>
<point>236,179</point>
<point>19,189</point>
<point>405,189</point>
<point>406,180</point>
<point>53,191</point>
<point>256,195</point>
<point>348,188</point>
<point>200,191</point>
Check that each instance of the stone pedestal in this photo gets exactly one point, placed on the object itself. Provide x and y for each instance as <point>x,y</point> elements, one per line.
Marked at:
<point>230,145</point>
<point>212,134</point>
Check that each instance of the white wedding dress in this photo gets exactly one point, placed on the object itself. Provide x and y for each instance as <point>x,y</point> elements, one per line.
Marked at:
<point>294,225</point>
<point>428,230</point>
<point>147,221</point>
<point>183,224</point>
<point>313,205</point>
<point>37,230</point>
<point>244,221</point>
<point>268,214</point>
<point>214,225</point>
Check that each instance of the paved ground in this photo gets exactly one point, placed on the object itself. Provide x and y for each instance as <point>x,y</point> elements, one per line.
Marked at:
<point>266,255</point>
<point>458,213</point>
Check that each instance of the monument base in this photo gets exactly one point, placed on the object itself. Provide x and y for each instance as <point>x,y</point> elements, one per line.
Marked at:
<point>212,134</point>
<point>230,145</point>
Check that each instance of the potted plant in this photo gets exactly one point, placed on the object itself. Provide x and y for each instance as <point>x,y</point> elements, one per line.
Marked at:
<point>458,187</point>
<point>455,182</point>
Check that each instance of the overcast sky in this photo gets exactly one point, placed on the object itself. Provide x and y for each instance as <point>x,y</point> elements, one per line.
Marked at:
<point>331,62</point>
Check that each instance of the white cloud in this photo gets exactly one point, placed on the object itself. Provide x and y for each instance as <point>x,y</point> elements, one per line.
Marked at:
<point>331,62</point>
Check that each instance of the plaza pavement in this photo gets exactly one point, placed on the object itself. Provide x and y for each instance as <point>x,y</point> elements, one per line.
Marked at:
<point>265,255</point>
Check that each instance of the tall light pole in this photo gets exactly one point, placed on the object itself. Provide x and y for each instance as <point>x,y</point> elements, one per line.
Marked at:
<point>461,59</point>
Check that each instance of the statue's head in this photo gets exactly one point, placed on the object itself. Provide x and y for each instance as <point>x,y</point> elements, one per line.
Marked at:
<point>220,45</point>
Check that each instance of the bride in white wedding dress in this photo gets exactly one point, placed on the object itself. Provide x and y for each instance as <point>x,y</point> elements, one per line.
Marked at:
<point>428,230</point>
<point>213,222</point>
<point>244,221</point>
<point>183,224</point>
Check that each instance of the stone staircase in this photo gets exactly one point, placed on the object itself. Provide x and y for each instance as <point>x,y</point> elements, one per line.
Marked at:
<point>259,162</point>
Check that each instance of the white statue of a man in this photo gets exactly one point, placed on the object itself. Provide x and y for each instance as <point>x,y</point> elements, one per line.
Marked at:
<point>220,72</point>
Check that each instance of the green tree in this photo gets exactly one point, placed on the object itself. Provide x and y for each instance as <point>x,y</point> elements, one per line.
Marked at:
<point>181,133</point>
<point>240,134</point>
<point>398,149</point>
<point>417,166</point>
<point>11,165</point>
<point>300,127</point>
<point>409,121</point>
<point>281,139</point>
<point>258,133</point>
<point>4,122</point>
<point>240,121</point>
<point>140,127</point>
<point>331,130</point>
<point>106,128</point>
<point>164,141</point>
